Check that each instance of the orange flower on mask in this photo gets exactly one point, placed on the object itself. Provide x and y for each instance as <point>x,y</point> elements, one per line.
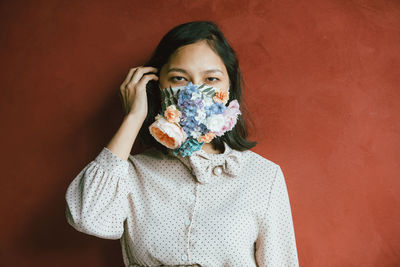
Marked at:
<point>221,96</point>
<point>206,138</point>
<point>172,114</point>
<point>167,133</point>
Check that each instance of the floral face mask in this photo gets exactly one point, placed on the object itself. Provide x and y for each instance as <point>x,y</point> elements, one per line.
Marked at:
<point>192,115</point>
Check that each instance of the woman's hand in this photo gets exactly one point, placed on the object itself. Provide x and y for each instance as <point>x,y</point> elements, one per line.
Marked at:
<point>133,90</point>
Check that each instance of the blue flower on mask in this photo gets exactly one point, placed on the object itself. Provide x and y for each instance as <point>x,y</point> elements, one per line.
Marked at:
<point>202,127</point>
<point>189,122</point>
<point>216,108</point>
<point>188,147</point>
<point>184,96</point>
<point>198,102</point>
<point>187,91</point>
<point>191,103</point>
<point>192,88</point>
<point>190,111</point>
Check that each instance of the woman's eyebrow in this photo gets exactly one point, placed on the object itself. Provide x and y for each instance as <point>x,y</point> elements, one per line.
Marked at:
<point>184,71</point>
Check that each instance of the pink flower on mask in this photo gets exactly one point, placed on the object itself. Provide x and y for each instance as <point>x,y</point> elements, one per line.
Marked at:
<point>230,114</point>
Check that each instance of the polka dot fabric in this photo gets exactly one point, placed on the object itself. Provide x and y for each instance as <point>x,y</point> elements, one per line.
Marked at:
<point>228,209</point>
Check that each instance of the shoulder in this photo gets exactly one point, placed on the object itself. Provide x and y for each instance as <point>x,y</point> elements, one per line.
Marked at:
<point>258,176</point>
<point>259,172</point>
<point>150,157</point>
<point>150,153</point>
<point>262,165</point>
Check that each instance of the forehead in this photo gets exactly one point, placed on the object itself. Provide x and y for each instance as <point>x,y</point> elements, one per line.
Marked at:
<point>198,56</point>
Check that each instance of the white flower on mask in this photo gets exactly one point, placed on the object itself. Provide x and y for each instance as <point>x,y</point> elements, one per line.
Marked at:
<point>196,134</point>
<point>196,96</point>
<point>215,122</point>
<point>201,116</point>
<point>192,115</point>
<point>208,101</point>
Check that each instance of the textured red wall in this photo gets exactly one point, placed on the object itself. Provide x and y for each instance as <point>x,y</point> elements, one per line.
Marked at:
<point>322,82</point>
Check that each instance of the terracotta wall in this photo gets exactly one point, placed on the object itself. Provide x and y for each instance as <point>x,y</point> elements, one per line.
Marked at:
<point>322,83</point>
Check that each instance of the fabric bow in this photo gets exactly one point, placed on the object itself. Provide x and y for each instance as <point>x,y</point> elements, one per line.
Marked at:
<point>202,164</point>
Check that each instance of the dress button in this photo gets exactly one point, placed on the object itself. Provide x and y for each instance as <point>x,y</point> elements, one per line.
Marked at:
<point>187,222</point>
<point>184,257</point>
<point>192,197</point>
<point>217,170</point>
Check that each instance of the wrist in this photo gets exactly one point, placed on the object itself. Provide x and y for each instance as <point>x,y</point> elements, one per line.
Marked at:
<point>135,116</point>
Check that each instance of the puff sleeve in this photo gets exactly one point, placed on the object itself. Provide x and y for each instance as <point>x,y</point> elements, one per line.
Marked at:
<point>96,199</point>
<point>276,244</point>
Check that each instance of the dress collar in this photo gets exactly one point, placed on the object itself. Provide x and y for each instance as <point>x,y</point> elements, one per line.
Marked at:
<point>202,164</point>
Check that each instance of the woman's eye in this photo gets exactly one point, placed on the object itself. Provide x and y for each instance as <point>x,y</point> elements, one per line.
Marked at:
<point>175,78</point>
<point>213,78</point>
<point>181,79</point>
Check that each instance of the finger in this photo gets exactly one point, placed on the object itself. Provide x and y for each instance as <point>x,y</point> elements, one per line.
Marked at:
<point>140,72</point>
<point>124,89</point>
<point>128,78</point>
<point>145,79</point>
<point>121,97</point>
<point>124,98</point>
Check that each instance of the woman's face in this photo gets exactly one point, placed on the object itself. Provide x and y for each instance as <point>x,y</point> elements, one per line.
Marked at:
<point>197,63</point>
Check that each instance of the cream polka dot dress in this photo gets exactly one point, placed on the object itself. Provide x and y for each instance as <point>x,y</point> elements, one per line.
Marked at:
<point>228,209</point>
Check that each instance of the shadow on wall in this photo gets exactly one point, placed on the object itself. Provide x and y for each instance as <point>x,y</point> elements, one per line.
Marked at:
<point>48,233</point>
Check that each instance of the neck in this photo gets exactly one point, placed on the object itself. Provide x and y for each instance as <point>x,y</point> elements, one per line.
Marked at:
<point>208,148</point>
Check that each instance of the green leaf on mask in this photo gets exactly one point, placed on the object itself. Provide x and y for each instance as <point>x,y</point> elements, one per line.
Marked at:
<point>207,89</point>
<point>201,86</point>
<point>172,92</point>
<point>211,93</point>
<point>177,95</point>
<point>169,96</point>
<point>163,101</point>
<point>167,93</point>
<point>162,94</point>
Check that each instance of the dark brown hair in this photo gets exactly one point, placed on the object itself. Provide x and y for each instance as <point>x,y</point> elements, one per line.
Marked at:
<point>189,33</point>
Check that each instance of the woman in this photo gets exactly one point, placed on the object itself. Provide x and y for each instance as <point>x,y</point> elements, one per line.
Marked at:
<point>220,205</point>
